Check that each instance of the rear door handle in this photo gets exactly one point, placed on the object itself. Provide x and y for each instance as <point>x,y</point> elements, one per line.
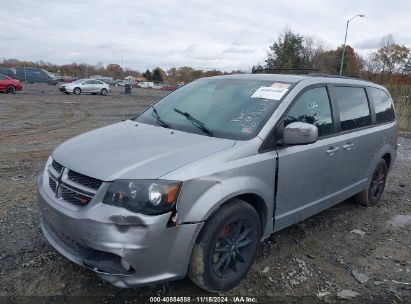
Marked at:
<point>332,150</point>
<point>348,146</point>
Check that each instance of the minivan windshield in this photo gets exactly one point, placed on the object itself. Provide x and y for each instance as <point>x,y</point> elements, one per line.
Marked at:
<point>224,108</point>
<point>48,73</point>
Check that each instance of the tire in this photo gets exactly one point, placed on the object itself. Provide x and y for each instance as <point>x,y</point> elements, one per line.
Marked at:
<point>376,185</point>
<point>104,92</point>
<point>217,267</point>
<point>77,91</point>
<point>11,90</point>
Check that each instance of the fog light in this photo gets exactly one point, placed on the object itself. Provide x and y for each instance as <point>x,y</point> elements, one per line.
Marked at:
<point>125,264</point>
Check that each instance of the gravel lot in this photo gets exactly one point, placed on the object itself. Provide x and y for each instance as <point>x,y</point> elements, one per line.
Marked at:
<point>312,261</point>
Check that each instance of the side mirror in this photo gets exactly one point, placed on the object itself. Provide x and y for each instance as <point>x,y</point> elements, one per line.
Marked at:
<point>300,133</point>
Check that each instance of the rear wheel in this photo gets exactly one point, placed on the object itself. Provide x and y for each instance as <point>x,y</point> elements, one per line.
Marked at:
<point>376,185</point>
<point>226,247</point>
<point>104,92</point>
<point>11,90</point>
<point>77,91</point>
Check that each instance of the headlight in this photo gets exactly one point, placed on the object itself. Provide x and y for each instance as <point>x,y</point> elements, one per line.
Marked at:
<point>143,196</point>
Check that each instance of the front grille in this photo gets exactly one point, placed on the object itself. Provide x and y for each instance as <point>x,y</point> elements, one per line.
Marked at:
<point>52,184</point>
<point>74,197</point>
<point>57,166</point>
<point>72,187</point>
<point>84,180</point>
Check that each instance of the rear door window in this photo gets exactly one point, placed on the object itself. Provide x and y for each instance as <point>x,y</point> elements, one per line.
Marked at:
<point>384,110</point>
<point>313,107</point>
<point>353,107</point>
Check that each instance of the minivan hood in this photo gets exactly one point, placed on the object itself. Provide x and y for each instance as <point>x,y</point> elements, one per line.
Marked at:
<point>128,150</point>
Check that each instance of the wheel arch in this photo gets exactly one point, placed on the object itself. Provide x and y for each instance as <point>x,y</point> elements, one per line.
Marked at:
<point>192,207</point>
<point>253,199</point>
<point>387,153</point>
<point>258,203</point>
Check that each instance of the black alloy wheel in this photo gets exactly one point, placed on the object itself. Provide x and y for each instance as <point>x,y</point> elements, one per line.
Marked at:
<point>377,183</point>
<point>10,90</point>
<point>226,246</point>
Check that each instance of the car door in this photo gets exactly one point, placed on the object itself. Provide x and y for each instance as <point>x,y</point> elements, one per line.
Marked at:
<point>2,83</point>
<point>36,76</point>
<point>98,86</point>
<point>28,75</point>
<point>308,175</point>
<point>87,86</point>
<point>358,139</point>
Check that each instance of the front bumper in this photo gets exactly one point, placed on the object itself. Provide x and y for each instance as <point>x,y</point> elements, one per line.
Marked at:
<point>98,236</point>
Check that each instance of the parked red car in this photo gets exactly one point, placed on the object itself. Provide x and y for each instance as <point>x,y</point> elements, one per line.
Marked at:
<point>170,87</point>
<point>9,85</point>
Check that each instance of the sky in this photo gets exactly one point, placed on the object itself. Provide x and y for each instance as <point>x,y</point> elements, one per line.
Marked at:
<point>224,35</point>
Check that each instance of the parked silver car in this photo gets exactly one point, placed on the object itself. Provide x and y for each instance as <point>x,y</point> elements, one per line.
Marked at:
<point>194,183</point>
<point>93,86</point>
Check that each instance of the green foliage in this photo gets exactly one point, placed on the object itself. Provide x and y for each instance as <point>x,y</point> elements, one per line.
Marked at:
<point>158,75</point>
<point>148,75</point>
<point>287,52</point>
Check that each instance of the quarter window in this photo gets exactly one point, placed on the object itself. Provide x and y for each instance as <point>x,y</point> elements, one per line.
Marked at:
<point>384,110</point>
<point>313,107</point>
<point>353,106</point>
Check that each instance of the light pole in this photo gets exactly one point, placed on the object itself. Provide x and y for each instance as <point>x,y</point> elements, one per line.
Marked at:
<point>345,41</point>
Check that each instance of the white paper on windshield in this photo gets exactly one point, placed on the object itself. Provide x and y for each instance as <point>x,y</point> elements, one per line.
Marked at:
<point>275,92</point>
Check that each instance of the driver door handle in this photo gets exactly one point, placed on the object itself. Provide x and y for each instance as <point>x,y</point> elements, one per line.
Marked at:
<point>332,150</point>
<point>348,146</point>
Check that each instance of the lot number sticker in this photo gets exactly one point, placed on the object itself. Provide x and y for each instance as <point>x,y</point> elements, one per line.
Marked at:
<point>275,92</point>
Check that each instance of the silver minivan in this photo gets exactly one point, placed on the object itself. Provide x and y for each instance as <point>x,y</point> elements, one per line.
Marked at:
<point>195,182</point>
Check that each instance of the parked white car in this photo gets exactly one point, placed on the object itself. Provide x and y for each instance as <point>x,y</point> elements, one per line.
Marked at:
<point>158,86</point>
<point>80,86</point>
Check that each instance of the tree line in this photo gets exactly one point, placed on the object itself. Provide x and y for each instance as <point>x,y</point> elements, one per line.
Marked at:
<point>82,70</point>
<point>391,63</point>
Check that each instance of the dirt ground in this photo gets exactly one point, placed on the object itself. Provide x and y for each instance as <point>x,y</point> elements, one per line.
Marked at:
<point>312,261</point>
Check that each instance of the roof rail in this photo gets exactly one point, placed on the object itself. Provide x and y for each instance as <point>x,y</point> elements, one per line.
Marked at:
<point>304,71</point>
<point>335,76</point>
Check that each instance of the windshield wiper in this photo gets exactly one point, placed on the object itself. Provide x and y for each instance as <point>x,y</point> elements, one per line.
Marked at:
<point>195,122</point>
<point>158,118</point>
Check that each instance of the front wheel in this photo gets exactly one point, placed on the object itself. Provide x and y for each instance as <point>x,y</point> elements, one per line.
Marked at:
<point>77,91</point>
<point>226,247</point>
<point>10,90</point>
<point>103,92</point>
<point>376,185</point>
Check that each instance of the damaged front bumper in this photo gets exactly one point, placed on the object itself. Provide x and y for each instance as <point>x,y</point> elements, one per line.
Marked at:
<point>108,239</point>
